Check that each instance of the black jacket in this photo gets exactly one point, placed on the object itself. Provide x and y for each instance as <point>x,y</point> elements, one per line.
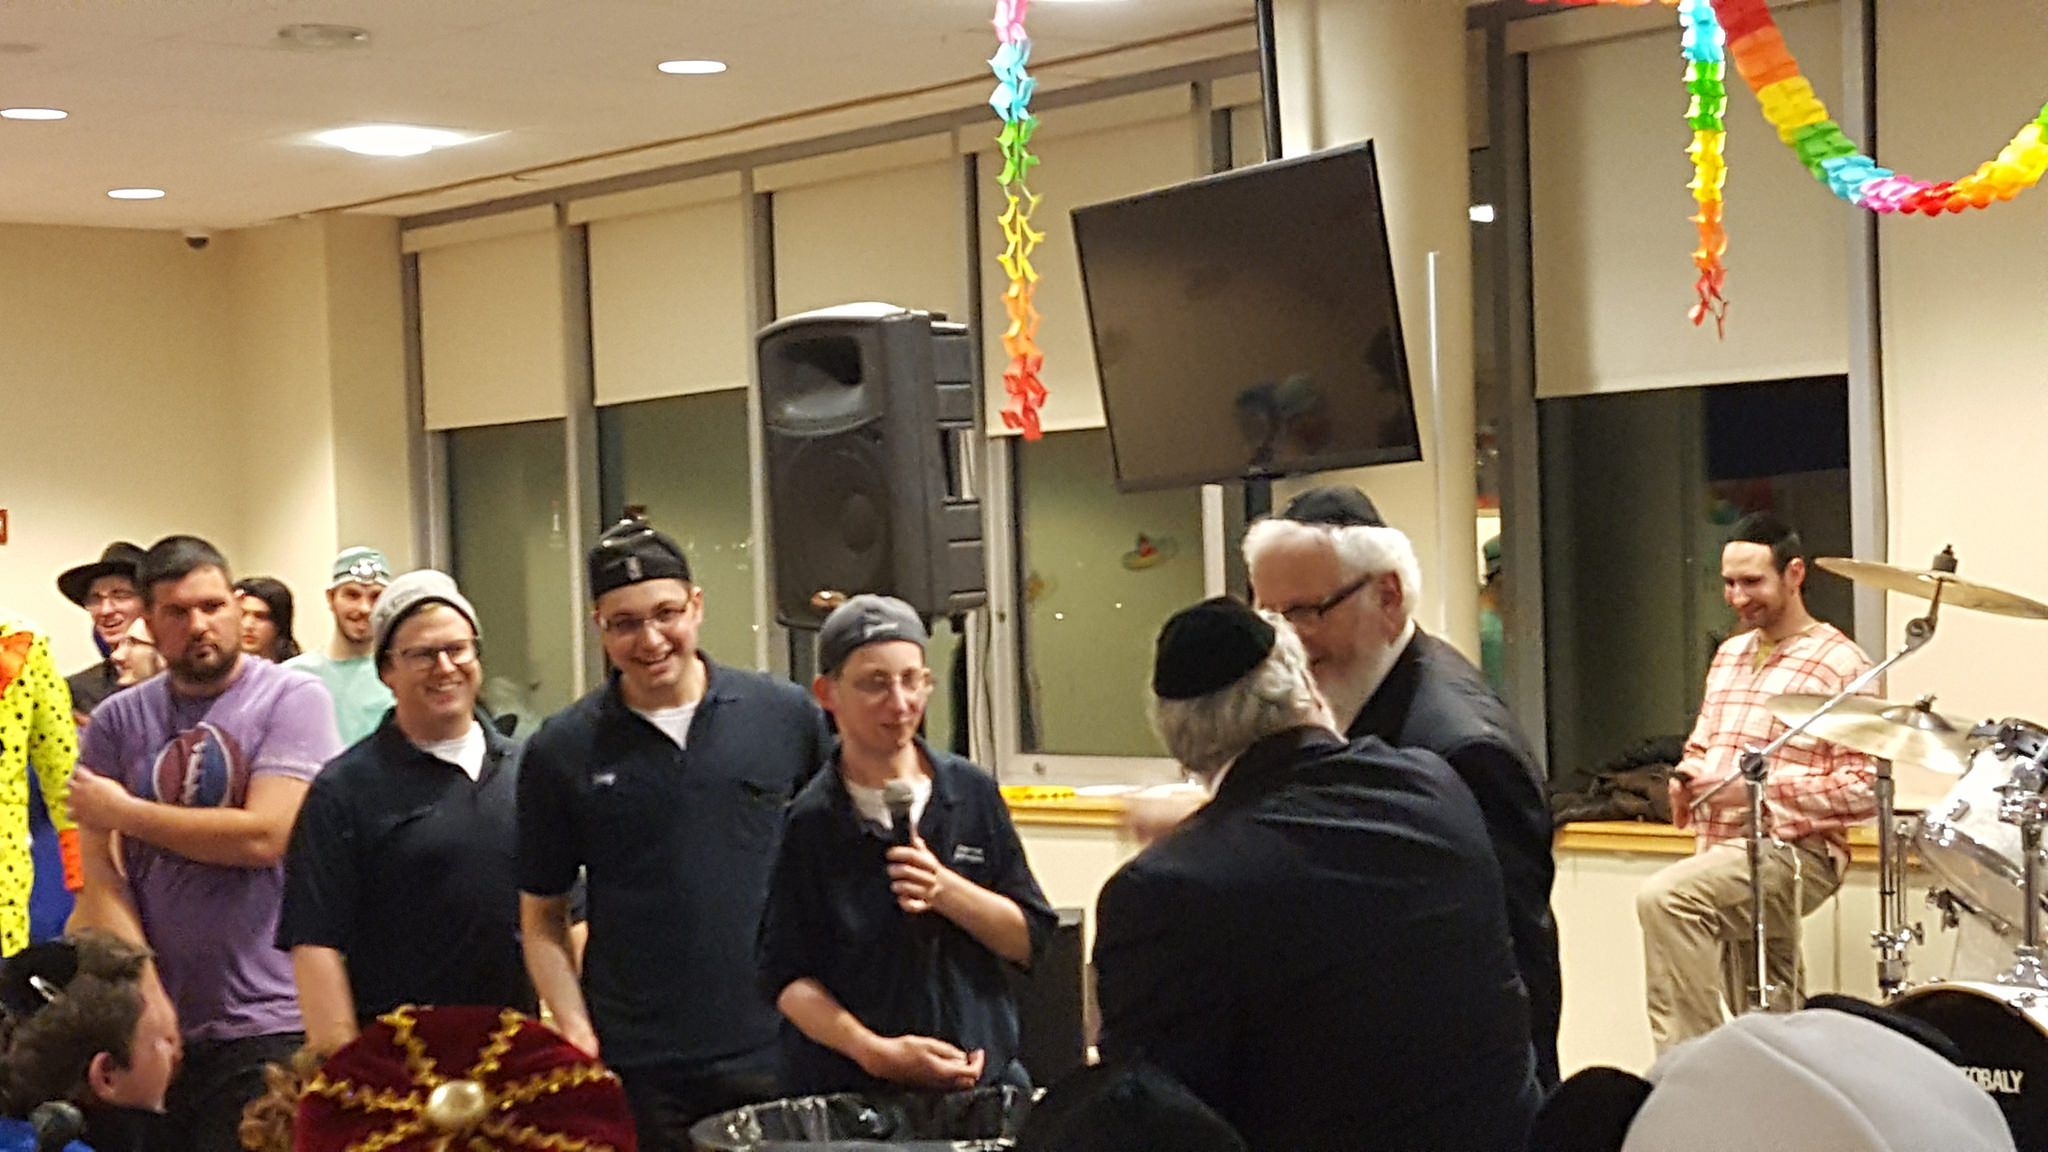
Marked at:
<point>1320,954</point>
<point>1434,698</point>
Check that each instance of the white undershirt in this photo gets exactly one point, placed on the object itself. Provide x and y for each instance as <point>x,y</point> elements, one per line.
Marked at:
<point>465,751</point>
<point>873,808</point>
<point>674,721</point>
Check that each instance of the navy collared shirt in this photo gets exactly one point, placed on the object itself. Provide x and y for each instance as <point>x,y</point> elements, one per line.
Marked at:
<point>677,846</point>
<point>403,864</point>
<point>832,917</point>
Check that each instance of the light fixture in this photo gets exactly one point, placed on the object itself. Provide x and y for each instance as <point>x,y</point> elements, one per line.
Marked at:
<point>391,139</point>
<point>33,113</point>
<point>322,37</point>
<point>136,193</point>
<point>1480,213</point>
<point>692,67</point>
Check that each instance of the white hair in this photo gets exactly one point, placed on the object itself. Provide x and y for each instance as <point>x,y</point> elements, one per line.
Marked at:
<point>1208,732</point>
<point>1362,551</point>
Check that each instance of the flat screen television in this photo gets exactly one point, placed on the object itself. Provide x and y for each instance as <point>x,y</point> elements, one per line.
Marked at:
<point>1246,325</point>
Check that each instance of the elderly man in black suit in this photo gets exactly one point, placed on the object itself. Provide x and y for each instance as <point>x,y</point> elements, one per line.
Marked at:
<point>1330,566</point>
<point>1320,953</point>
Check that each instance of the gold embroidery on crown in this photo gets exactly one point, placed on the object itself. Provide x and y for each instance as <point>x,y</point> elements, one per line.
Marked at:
<point>417,1061</point>
<point>352,1095</point>
<point>547,1083</point>
<point>531,1137</point>
<point>493,1053</point>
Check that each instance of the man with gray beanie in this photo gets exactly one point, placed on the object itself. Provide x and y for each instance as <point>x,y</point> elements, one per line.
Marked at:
<point>399,883</point>
<point>1320,953</point>
<point>665,786</point>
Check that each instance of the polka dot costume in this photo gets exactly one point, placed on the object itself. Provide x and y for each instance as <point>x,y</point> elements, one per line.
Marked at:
<point>35,731</point>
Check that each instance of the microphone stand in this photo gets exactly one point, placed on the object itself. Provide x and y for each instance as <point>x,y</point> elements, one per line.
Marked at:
<point>1755,765</point>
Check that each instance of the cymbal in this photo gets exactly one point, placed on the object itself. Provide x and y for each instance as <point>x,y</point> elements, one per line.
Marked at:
<point>1913,734</point>
<point>1956,592</point>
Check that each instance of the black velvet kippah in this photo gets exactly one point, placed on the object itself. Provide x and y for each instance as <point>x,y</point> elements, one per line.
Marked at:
<point>1207,648</point>
<point>631,551</point>
<point>1338,506</point>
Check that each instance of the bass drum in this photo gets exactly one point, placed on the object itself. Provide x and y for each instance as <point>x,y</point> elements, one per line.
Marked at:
<point>2003,1034</point>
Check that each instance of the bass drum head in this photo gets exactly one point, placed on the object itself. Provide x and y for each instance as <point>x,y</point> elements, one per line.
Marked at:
<point>2005,1047</point>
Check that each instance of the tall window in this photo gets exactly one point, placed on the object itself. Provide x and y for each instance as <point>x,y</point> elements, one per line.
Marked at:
<point>508,510</point>
<point>1640,490</point>
<point>1100,571</point>
<point>684,459</point>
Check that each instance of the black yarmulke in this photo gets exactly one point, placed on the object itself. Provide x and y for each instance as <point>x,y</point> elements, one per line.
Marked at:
<point>632,551</point>
<point>1341,507</point>
<point>1207,648</point>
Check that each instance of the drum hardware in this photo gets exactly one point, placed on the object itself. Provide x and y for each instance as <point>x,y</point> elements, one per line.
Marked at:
<point>1894,935</point>
<point>1952,907</point>
<point>1913,734</point>
<point>2020,802</point>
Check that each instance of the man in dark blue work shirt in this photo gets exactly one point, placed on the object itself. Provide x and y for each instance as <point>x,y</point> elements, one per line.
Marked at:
<point>666,785</point>
<point>889,961</point>
<point>398,884</point>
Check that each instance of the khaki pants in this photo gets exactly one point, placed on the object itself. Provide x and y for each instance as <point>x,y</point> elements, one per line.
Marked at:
<point>1697,946</point>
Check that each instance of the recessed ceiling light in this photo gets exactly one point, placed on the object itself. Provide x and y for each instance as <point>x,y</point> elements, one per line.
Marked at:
<point>137,193</point>
<point>33,113</point>
<point>692,67</point>
<point>322,37</point>
<point>391,139</point>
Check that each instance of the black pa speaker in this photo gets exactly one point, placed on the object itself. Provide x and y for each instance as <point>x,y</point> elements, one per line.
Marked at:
<point>868,414</point>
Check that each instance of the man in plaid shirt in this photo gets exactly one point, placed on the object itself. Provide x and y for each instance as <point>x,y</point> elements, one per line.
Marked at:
<point>1695,914</point>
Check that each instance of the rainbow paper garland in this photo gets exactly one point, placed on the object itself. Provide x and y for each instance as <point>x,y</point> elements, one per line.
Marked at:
<point>1706,70</point>
<point>1758,49</point>
<point>1012,101</point>
<point>1717,31</point>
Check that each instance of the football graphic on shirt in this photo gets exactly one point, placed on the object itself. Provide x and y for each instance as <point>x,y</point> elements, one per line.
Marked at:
<point>202,768</point>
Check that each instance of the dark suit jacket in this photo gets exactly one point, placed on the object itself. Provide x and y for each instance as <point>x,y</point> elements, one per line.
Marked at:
<point>1320,955</point>
<point>1434,698</point>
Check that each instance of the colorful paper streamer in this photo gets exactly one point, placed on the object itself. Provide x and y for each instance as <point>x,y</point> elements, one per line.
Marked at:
<point>1024,391</point>
<point>1718,32</point>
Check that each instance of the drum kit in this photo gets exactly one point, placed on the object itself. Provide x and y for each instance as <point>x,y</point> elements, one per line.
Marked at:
<point>1982,842</point>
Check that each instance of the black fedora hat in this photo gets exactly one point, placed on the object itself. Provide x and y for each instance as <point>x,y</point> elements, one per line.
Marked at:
<point>120,559</point>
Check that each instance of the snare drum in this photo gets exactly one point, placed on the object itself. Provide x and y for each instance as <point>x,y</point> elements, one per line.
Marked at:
<point>2003,1034</point>
<point>1964,841</point>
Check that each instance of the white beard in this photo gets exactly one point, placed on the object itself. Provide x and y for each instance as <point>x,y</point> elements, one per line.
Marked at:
<point>1346,689</point>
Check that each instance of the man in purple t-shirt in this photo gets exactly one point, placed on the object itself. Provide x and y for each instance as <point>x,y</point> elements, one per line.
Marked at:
<point>201,770</point>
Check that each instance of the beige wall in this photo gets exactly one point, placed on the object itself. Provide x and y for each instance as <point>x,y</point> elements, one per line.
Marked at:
<point>149,389</point>
<point>1965,388</point>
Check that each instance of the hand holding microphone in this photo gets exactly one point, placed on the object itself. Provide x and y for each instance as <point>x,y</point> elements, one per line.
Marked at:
<point>915,875</point>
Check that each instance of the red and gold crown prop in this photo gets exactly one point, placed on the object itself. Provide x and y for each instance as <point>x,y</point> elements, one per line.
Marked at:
<point>462,1080</point>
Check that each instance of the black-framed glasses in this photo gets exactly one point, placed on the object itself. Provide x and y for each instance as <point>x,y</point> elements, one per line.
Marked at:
<point>460,654</point>
<point>1304,613</point>
<point>664,618</point>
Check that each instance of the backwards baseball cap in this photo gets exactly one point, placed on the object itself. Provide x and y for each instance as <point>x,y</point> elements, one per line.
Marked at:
<point>120,559</point>
<point>1339,506</point>
<point>630,552</point>
<point>407,595</point>
<point>360,566</point>
<point>1208,647</point>
<point>863,620</point>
